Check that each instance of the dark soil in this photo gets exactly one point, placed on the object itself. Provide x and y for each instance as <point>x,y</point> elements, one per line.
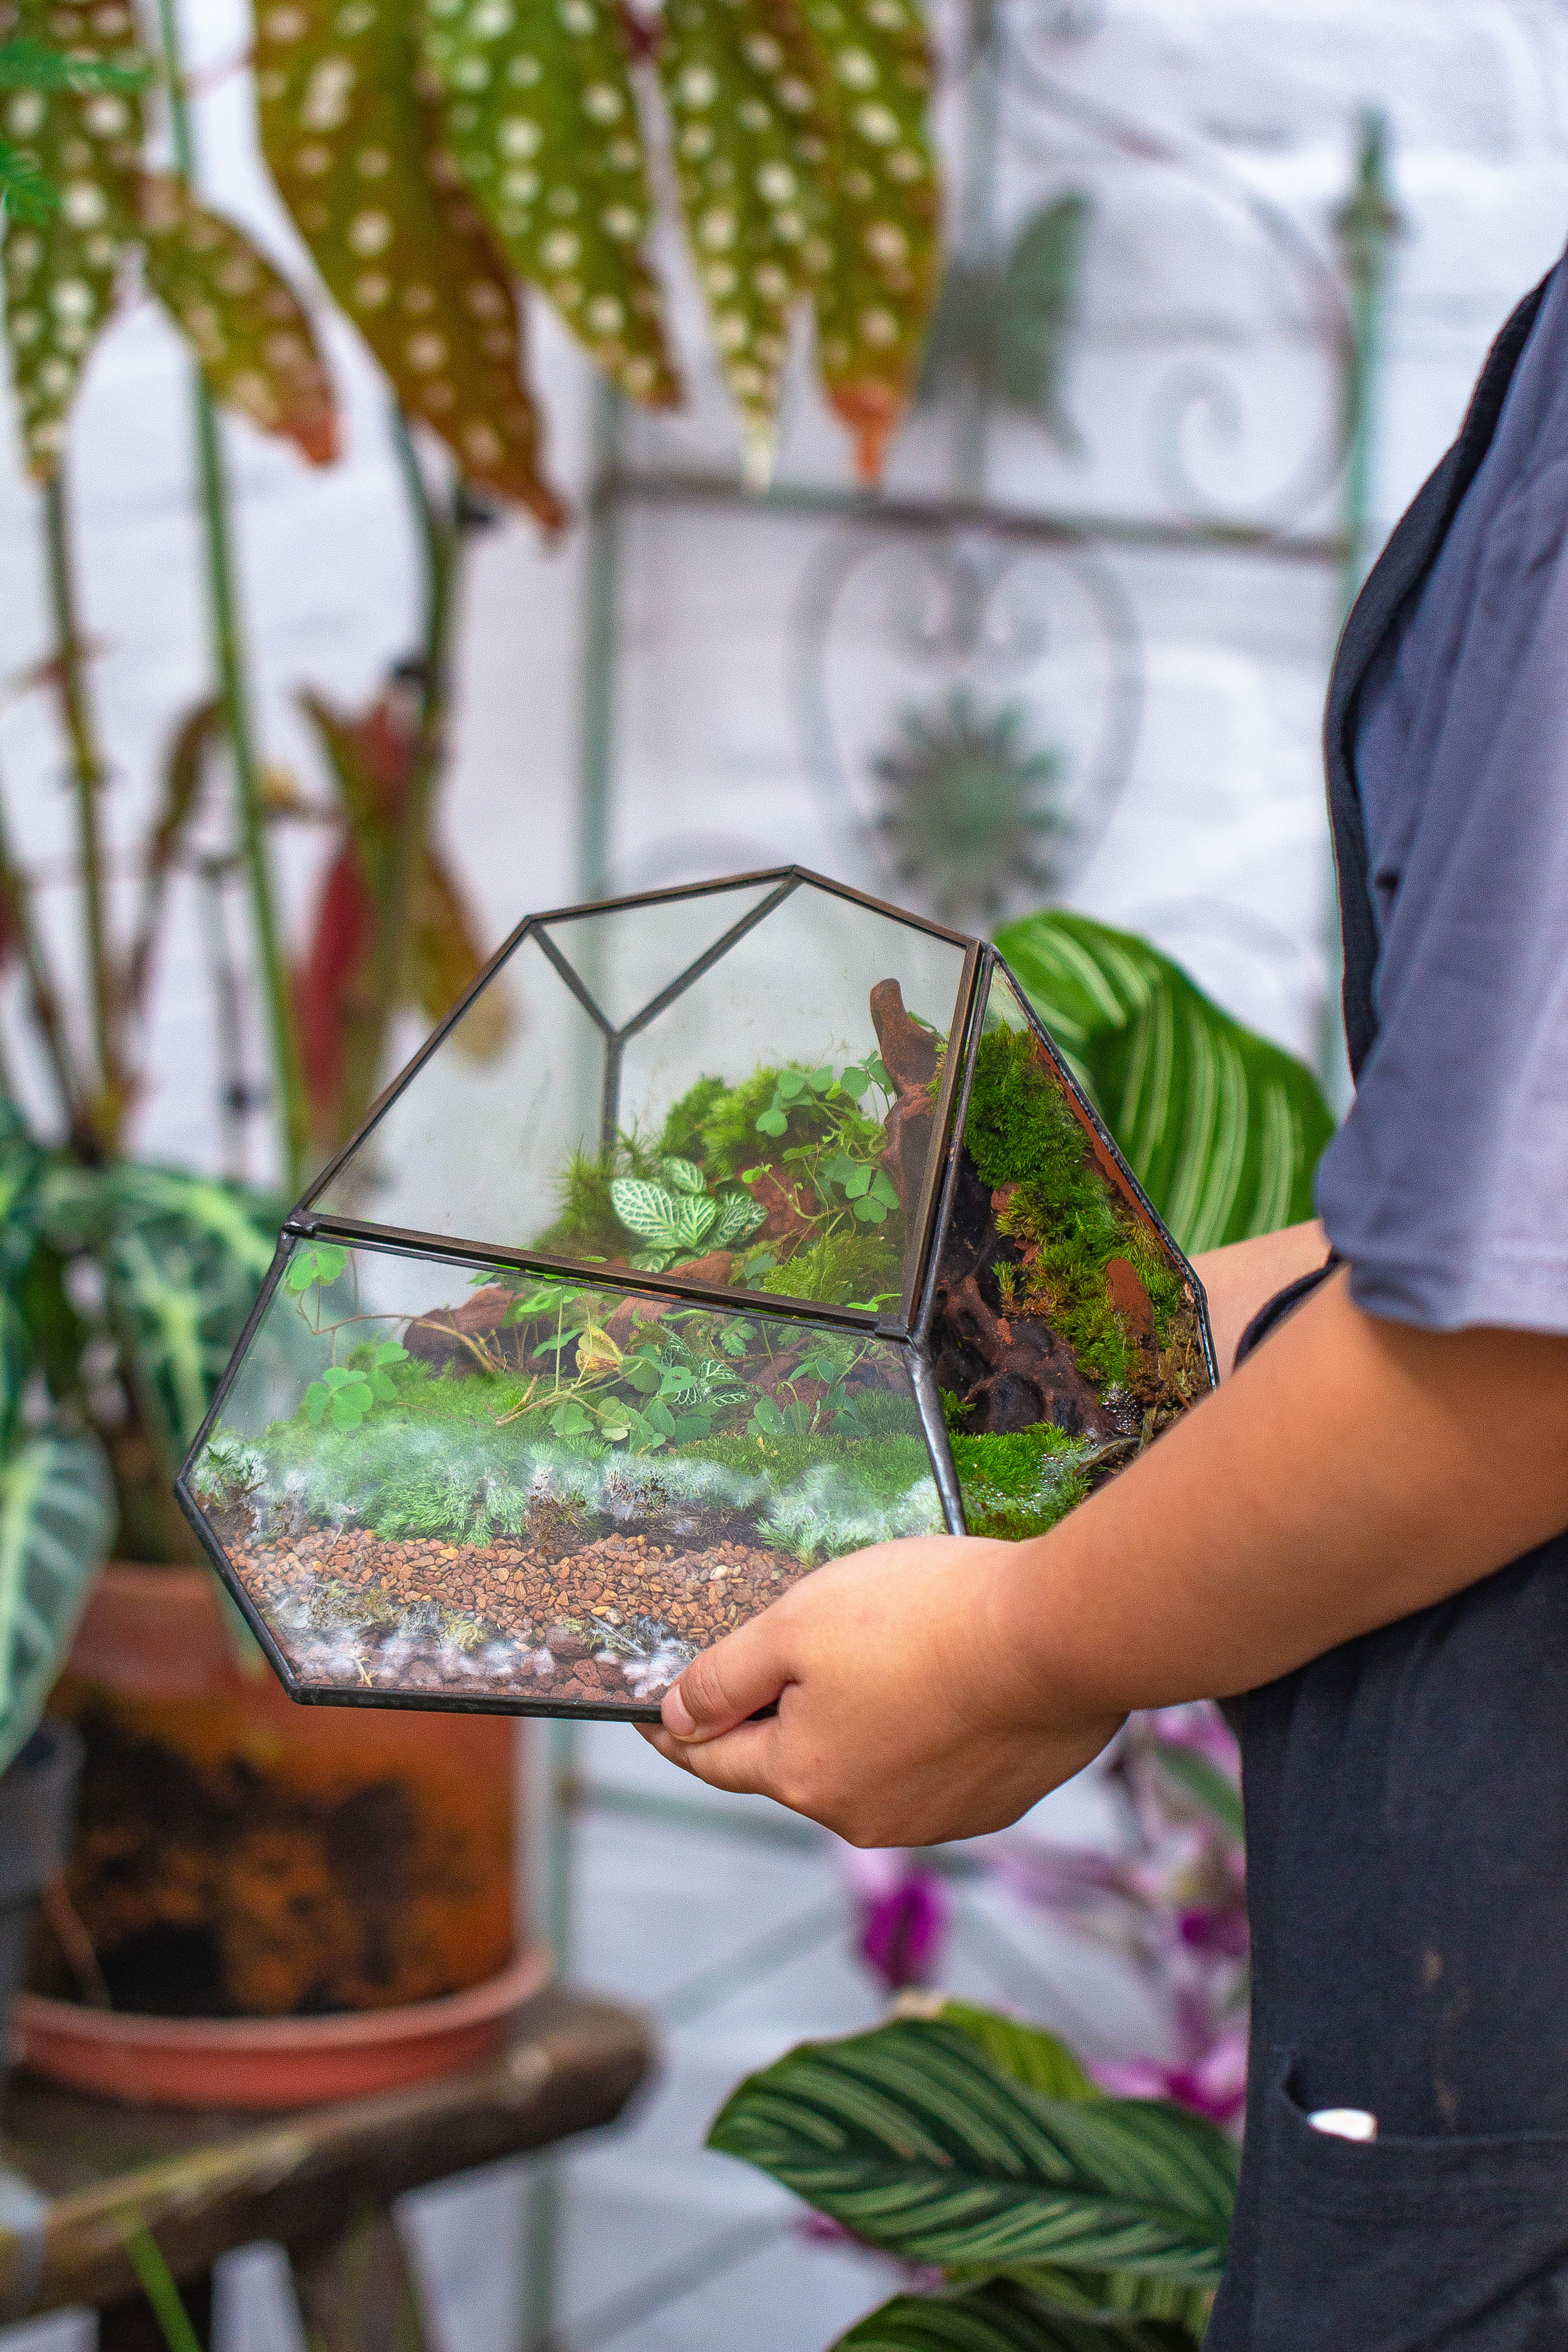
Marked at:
<point>611,1622</point>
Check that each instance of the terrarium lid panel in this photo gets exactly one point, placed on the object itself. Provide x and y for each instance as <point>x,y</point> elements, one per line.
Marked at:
<point>430,1487</point>
<point>470,1142</point>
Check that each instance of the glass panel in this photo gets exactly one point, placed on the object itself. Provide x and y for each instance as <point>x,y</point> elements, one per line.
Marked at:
<point>478,1143</point>
<point>433,1480</point>
<point>794,1080</point>
<point>626,956</point>
<point>1067,1331</point>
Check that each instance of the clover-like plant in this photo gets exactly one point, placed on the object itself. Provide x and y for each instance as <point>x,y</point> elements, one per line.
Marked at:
<point>680,1217</point>
<point>346,1393</point>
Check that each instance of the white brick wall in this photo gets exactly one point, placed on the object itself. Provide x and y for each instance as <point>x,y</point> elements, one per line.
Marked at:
<point>1216,847</point>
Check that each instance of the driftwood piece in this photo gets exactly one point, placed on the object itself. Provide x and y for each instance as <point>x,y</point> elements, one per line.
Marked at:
<point>1010,1370</point>
<point>475,1336</point>
<point>909,1055</point>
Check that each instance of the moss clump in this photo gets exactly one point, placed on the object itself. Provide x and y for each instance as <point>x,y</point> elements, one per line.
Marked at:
<point>682,1138</point>
<point>1021,1484</point>
<point>883,1468</point>
<point>1024,1136</point>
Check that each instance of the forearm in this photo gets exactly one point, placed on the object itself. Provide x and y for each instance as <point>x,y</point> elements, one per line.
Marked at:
<point>1244,1275</point>
<point>1351,1472</point>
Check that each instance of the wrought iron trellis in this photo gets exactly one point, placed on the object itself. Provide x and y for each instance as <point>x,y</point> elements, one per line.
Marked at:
<point>974,538</point>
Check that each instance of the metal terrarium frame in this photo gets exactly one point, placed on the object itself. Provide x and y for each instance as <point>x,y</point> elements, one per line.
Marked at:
<point>909,1329</point>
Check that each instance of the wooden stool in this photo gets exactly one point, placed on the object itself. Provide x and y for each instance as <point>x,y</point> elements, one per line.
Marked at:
<point>86,2174</point>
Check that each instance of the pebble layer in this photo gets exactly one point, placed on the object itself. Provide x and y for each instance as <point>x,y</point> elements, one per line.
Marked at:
<point>611,1623</point>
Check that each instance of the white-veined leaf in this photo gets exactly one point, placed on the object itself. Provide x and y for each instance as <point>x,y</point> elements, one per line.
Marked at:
<point>684,1175</point>
<point>738,1215</point>
<point>56,1515</point>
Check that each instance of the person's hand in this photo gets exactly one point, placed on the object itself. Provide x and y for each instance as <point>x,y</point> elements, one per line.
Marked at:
<point>906,1714</point>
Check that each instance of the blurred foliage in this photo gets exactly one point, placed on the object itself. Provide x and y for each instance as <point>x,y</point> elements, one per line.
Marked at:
<point>74,120</point>
<point>1221,1127</point>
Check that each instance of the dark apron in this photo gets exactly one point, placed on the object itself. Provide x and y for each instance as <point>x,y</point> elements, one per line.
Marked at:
<point>1408,1856</point>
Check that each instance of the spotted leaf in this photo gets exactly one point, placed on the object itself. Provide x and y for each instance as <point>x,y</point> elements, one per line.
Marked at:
<point>542,124</point>
<point>740,84</point>
<point>244,323</point>
<point>353,139</point>
<point>875,247</point>
<point>62,264</point>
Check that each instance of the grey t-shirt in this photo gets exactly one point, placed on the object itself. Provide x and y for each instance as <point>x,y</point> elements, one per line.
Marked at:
<point>1447,1186</point>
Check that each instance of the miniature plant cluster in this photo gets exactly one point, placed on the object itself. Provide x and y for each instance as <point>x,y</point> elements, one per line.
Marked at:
<point>505,1449</point>
<point>548,1492</point>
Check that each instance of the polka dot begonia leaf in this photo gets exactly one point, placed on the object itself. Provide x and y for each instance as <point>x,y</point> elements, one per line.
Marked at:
<point>542,124</point>
<point>876,243</point>
<point>739,80</point>
<point>244,323</point>
<point>61,268</point>
<point>354,140</point>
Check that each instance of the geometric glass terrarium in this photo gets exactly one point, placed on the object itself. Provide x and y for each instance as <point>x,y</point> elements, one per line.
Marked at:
<point>778,1228</point>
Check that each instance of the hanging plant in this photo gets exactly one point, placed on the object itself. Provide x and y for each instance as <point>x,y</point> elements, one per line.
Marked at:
<point>359,150</point>
<point>77,134</point>
<point>804,173</point>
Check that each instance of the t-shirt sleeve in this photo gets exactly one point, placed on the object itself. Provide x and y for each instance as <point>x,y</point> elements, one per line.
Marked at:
<point>1447,1186</point>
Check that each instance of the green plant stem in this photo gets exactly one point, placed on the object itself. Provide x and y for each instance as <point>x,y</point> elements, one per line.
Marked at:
<point>229,660</point>
<point>16,899</point>
<point>392,884</point>
<point>158,2286</point>
<point>88,773</point>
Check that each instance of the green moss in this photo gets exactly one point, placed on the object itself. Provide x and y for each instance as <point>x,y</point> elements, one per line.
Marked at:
<point>883,1468</point>
<point>1023,1133</point>
<point>682,1138</point>
<point>1020,1484</point>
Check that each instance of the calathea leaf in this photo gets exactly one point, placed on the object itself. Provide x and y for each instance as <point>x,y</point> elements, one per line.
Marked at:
<point>543,127</point>
<point>1027,2052</point>
<point>1221,1127</point>
<point>740,87</point>
<point>910,2138</point>
<point>57,1514</point>
<point>246,326</point>
<point>999,2317</point>
<point>873,249</point>
<point>355,144</point>
<point>61,266</point>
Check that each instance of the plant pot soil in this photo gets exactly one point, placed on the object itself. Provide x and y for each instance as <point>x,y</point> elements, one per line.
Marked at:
<point>276,2061</point>
<point>37,1793</point>
<point>239,1858</point>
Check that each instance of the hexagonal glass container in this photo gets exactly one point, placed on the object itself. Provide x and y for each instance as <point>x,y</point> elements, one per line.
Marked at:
<point>719,1233</point>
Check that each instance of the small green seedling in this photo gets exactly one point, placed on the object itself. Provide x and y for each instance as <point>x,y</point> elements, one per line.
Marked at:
<point>316,1263</point>
<point>345,1392</point>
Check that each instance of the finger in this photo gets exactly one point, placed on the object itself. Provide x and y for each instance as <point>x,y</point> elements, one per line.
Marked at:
<point>741,1763</point>
<point>746,1671</point>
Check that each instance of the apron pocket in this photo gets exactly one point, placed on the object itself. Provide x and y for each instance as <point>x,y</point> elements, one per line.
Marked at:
<point>1411,2245</point>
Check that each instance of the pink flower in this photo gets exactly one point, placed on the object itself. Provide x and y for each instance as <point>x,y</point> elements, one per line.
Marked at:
<point>903,1915</point>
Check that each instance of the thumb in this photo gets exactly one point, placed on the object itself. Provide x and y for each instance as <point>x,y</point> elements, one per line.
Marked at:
<point>746,1671</point>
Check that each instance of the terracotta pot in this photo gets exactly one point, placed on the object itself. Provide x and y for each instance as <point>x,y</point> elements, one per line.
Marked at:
<point>271,2061</point>
<point>318,1879</point>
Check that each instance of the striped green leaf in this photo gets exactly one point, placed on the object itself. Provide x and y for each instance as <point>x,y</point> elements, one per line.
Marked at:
<point>874,251</point>
<point>741,84</point>
<point>56,1515</point>
<point>248,329</point>
<point>1000,2317</point>
<point>1103,2295</point>
<point>1222,1128</point>
<point>62,264</point>
<point>1027,2052</point>
<point>910,2138</point>
<point>542,124</point>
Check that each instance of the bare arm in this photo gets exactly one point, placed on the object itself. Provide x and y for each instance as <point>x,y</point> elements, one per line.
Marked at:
<point>1243,1277</point>
<point>1352,1471</point>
